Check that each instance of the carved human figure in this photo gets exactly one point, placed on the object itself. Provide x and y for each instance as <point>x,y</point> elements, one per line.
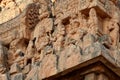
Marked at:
<point>42,35</point>
<point>106,26</point>
<point>43,40</point>
<point>93,22</point>
<point>30,52</point>
<point>83,21</point>
<point>74,30</point>
<point>59,37</point>
<point>114,29</point>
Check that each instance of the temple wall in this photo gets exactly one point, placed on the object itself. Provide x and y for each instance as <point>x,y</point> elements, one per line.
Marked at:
<point>44,40</point>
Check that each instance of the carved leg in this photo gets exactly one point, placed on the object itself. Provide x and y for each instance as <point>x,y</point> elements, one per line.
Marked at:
<point>33,60</point>
<point>25,61</point>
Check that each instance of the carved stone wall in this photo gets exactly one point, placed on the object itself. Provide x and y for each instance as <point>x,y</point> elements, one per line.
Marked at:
<point>46,38</point>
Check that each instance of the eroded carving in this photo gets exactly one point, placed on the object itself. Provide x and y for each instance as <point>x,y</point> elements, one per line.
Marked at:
<point>32,15</point>
<point>3,59</point>
<point>50,47</point>
<point>93,22</point>
<point>114,29</point>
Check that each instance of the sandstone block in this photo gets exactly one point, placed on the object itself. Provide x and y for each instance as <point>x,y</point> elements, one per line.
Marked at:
<point>14,68</point>
<point>33,74</point>
<point>88,40</point>
<point>3,77</point>
<point>42,49</point>
<point>18,76</point>
<point>69,57</point>
<point>45,70</point>
<point>102,7</point>
<point>95,49</point>
<point>26,69</point>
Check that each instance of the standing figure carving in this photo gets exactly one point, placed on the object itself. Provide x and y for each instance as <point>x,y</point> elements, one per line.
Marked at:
<point>114,29</point>
<point>93,22</point>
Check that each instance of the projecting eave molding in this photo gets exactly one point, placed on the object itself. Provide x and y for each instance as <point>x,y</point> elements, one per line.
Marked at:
<point>100,60</point>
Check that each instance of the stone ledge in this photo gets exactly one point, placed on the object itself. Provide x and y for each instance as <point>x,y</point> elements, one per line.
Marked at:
<point>104,9</point>
<point>100,59</point>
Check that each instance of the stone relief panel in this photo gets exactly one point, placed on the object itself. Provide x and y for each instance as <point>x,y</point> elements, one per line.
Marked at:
<point>40,45</point>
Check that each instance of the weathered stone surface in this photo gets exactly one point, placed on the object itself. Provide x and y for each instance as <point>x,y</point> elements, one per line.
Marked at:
<point>26,69</point>
<point>40,38</point>
<point>88,40</point>
<point>18,76</point>
<point>102,7</point>
<point>33,74</point>
<point>3,77</point>
<point>3,58</point>
<point>95,49</point>
<point>14,8</point>
<point>15,68</point>
<point>45,70</point>
<point>69,57</point>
